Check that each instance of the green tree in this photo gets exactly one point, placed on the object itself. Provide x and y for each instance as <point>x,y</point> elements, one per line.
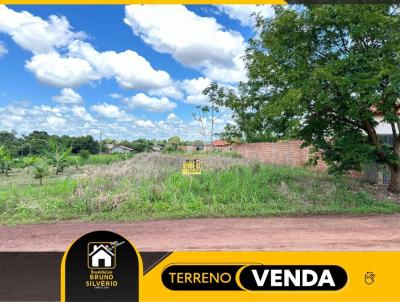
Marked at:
<point>173,143</point>
<point>321,73</point>
<point>5,160</point>
<point>36,141</point>
<point>141,145</point>
<point>208,114</point>
<point>57,155</point>
<point>29,161</point>
<point>84,143</point>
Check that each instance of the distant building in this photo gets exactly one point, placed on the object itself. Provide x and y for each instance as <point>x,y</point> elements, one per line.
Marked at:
<point>157,148</point>
<point>191,148</point>
<point>218,145</point>
<point>377,173</point>
<point>114,148</point>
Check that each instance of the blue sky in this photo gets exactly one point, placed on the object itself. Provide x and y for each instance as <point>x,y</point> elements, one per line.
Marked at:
<point>131,71</point>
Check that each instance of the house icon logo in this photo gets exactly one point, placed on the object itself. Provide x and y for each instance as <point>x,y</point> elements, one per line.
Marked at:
<point>101,255</point>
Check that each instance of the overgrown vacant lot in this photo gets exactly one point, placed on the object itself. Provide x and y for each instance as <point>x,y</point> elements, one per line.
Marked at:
<point>150,186</point>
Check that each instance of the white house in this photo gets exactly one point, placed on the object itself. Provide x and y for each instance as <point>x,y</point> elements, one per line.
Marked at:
<point>112,148</point>
<point>380,173</point>
<point>101,254</point>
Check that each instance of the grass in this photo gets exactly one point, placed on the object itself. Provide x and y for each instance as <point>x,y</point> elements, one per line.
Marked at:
<point>103,159</point>
<point>150,186</point>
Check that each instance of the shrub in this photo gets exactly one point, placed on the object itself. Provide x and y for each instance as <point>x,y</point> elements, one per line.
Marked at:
<point>5,160</point>
<point>84,155</point>
<point>40,171</point>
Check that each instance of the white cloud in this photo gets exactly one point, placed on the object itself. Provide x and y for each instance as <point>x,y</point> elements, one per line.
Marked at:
<point>81,113</point>
<point>243,13</point>
<point>116,95</point>
<point>168,91</point>
<point>44,108</point>
<point>145,124</point>
<point>194,90</point>
<point>197,99</point>
<point>3,49</point>
<point>35,34</point>
<point>111,111</point>
<point>76,121</point>
<point>173,117</point>
<point>197,42</point>
<point>82,63</point>
<point>54,70</point>
<point>131,70</point>
<point>55,122</point>
<point>195,86</point>
<point>68,96</point>
<point>152,104</point>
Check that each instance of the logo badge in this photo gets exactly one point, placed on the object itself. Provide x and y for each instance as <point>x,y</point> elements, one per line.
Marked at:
<point>101,255</point>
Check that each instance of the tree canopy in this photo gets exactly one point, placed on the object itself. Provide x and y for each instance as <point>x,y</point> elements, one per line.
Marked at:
<point>322,73</point>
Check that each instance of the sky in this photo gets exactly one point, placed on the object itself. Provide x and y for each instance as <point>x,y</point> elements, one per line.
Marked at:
<point>128,71</point>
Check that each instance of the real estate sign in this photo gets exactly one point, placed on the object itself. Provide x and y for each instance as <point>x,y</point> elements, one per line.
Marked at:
<point>191,167</point>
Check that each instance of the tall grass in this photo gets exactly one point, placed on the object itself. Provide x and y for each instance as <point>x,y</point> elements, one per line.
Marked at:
<point>150,186</point>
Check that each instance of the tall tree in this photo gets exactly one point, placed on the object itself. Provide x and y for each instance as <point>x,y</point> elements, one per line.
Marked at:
<point>36,141</point>
<point>5,160</point>
<point>173,143</point>
<point>208,114</point>
<point>322,73</point>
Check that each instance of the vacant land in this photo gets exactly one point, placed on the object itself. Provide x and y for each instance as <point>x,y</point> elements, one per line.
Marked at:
<point>150,186</point>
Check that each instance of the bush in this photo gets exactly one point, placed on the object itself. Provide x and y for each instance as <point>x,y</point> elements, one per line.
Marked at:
<point>84,155</point>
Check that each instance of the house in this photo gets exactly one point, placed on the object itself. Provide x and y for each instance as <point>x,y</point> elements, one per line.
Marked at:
<point>157,148</point>
<point>113,148</point>
<point>189,148</point>
<point>218,145</point>
<point>375,173</point>
<point>101,257</point>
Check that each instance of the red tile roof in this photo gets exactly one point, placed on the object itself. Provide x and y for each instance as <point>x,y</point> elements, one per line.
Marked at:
<point>220,143</point>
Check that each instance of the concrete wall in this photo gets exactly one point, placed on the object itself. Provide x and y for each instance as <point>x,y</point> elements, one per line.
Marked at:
<point>287,153</point>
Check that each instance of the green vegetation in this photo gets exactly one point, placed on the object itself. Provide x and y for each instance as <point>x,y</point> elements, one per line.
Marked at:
<point>150,186</point>
<point>40,171</point>
<point>97,159</point>
<point>321,74</point>
<point>5,160</point>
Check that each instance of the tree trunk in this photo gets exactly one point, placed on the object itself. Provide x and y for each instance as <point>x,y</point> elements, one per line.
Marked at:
<point>394,185</point>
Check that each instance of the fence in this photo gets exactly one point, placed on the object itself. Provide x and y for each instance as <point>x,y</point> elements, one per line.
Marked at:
<point>287,153</point>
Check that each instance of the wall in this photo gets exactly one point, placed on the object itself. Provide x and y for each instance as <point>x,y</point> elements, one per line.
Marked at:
<point>287,153</point>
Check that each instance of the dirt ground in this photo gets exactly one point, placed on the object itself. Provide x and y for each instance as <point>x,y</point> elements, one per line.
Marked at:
<point>377,232</point>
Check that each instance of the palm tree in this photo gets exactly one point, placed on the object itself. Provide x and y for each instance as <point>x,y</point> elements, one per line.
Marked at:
<point>40,171</point>
<point>29,161</point>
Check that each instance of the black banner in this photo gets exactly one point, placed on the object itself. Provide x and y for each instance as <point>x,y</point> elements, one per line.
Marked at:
<point>101,266</point>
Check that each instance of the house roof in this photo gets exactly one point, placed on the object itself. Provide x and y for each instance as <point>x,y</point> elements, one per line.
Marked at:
<point>101,247</point>
<point>121,146</point>
<point>220,143</point>
<point>125,147</point>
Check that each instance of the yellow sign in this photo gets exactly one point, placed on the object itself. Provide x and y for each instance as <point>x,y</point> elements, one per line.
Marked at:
<point>224,276</point>
<point>191,167</point>
<point>274,276</point>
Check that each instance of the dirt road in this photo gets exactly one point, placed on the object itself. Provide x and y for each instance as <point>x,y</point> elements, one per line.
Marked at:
<point>378,232</point>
